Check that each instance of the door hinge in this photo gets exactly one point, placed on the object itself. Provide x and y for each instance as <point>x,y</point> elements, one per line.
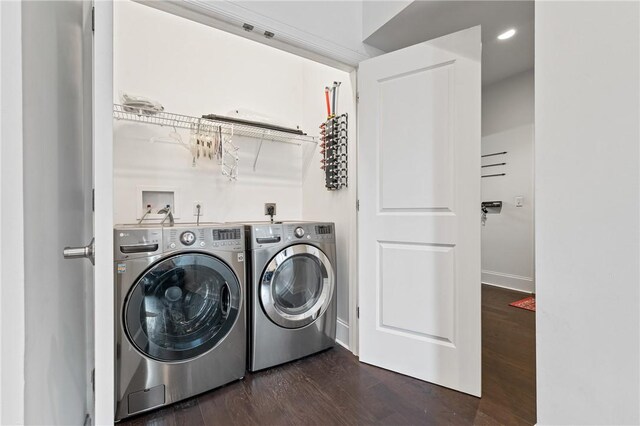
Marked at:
<point>358,312</point>
<point>357,97</point>
<point>93,200</point>
<point>357,205</point>
<point>93,19</point>
<point>93,380</point>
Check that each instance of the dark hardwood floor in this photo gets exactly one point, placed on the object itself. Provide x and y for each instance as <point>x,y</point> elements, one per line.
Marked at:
<point>333,388</point>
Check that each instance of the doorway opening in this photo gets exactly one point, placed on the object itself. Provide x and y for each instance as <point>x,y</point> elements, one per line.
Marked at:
<point>508,244</point>
<point>507,149</point>
<point>507,240</point>
<point>214,128</point>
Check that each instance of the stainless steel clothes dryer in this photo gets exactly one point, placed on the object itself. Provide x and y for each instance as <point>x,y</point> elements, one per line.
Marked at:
<point>180,313</point>
<point>292,291</point>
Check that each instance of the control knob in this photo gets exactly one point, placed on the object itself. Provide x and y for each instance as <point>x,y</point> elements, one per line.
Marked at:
<point>299,232</point>
<point>187,238</point>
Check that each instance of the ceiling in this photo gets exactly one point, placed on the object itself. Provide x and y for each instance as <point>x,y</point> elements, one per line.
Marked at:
<point>425,20</point>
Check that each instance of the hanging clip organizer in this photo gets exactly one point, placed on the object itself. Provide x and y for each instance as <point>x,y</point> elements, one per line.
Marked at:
<point>334,138</point>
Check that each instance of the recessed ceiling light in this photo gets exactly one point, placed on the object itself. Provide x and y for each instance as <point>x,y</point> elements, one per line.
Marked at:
<point>507,34</point>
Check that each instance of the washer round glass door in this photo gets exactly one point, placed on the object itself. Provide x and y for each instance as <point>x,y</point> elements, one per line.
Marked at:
<point>182,307</point>
<point>297,286</point>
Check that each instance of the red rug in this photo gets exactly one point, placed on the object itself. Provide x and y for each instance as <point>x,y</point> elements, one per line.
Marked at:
<point>528,303</point>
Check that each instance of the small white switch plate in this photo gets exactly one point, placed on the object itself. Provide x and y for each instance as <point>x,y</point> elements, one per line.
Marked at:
<point>195,208</point>
<point>519,201</point>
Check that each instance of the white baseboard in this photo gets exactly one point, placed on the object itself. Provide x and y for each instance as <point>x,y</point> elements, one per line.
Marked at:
<point>342,333</point>
<point>508,288</point>
<point>508,281</point>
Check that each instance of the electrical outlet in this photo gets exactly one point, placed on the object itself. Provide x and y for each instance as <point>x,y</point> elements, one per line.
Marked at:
<point>269,209</point>
<point>195,208</point>
<point>519,201</point>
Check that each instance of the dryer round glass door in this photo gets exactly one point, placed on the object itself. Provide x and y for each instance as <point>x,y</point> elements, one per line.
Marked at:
<point>182,306</point>
<point>297,286</point>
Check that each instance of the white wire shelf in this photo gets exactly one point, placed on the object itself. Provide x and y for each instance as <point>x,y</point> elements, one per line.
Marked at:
<point>179,121</point>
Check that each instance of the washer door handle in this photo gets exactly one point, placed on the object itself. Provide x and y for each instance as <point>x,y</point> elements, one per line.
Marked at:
<point>86,252</point>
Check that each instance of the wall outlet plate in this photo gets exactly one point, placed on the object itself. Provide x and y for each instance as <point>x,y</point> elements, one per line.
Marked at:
<point>269,209</point>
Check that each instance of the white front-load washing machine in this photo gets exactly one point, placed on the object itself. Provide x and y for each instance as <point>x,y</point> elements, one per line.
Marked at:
<point>292,291</point>
<point>180,313</point>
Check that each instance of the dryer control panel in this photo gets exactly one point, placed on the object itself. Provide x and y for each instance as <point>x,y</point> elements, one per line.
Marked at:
<point>270,234</point>
<point>321,232</point>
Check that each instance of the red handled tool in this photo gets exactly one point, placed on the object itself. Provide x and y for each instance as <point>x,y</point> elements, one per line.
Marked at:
<point>326,96</point>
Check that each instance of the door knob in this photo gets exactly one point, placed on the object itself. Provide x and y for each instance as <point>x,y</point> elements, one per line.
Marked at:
<point>80,252</point>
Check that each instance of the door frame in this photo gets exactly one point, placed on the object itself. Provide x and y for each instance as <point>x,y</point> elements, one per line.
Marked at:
<point>104,288</point>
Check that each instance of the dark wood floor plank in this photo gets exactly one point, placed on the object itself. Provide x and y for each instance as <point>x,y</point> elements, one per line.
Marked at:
<point>161,417</point>
<point>334,388</point>
<point>229,405</point>
<point>508,341</point>
<point>188,413</point>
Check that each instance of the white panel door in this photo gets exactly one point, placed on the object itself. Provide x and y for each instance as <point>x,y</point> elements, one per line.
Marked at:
<point>56,377</point>
<point>419,221</point>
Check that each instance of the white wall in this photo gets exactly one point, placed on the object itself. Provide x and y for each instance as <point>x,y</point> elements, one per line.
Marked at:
<point>56,376</point>
<point>194,69</point>
<point>330,33</point>
<point>339,22</point>
<point>198,72</point>
<point>587,212</point>
<point>377,13</point>
<point>507,238</point>
<point>334,206</point>
<point>11,219</point>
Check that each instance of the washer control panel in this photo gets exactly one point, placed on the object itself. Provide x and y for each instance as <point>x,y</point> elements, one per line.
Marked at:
<point>227,237</point>
<point>204,238</point>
